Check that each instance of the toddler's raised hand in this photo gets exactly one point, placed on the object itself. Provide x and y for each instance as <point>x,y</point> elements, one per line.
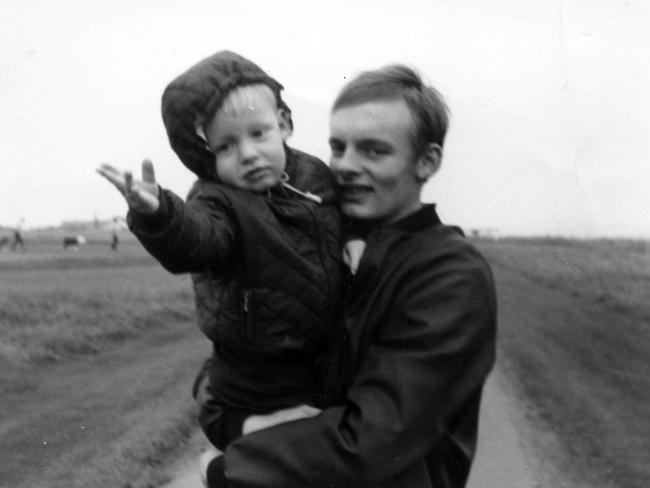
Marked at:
<point>141,196</point>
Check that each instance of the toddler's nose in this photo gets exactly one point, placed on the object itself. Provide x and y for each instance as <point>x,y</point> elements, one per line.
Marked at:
<point>248,151</point>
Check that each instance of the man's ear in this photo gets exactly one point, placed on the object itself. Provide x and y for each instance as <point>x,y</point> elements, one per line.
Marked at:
<point>429,162</point>
<point>285,123</point>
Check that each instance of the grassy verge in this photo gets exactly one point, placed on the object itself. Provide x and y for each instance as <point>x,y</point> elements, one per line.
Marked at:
<point>574,339</point>
<point>132,323</point>
<point>144,458</point>
<point>57,305</point>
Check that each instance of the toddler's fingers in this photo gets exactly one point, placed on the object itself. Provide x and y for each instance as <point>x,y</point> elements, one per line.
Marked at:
<point>110,167</point>
<point>148,173</point>
<point>116,181</point>
<point>130,192</point>
<point>128,181</point>
<point>109,172</point>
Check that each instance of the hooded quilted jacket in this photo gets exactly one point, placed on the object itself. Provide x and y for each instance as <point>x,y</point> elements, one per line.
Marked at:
<point>196,95</point>
<point>266,268</point>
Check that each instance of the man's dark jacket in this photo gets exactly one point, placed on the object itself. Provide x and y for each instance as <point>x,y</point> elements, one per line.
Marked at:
<point>421,316</point>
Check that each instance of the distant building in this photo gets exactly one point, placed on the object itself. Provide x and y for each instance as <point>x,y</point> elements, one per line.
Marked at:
<point>484,233</point>
<point>87,225</point>
<point>76,225</point>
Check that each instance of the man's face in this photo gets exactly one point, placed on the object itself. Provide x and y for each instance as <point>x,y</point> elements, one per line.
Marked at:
<point>374,160</point>
<point>248,145</point>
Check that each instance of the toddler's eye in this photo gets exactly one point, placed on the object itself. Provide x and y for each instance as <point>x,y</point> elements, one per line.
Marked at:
<point>222,148</point>
<point>257,133</point>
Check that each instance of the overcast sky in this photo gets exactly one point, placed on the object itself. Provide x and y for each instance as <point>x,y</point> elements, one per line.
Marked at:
<point>550,100</point>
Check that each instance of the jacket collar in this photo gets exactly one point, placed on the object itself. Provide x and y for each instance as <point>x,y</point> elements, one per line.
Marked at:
<point>423,218</point>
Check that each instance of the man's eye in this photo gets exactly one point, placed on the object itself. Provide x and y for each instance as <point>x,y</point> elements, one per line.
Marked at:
<point>337,149</point>
<point>376,152</point>
<point>258,133</point>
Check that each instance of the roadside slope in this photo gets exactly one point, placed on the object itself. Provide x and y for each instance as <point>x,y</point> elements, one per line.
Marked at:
<point>501,461</point>
<point>503,458</point>
<point>576,366</point>
<point>98,420</point>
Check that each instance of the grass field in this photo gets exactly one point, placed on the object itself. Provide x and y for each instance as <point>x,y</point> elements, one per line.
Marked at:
<point>100,341</point>
<point>56,303</point>
<point>107,339</point>
<point>575,338</point>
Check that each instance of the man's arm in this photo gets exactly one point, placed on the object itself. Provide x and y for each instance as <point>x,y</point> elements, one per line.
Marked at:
<point>432,354</point>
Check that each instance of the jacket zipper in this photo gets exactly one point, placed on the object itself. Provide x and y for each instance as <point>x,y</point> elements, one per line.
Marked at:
<point>306,194</point>
<point>248,321</point>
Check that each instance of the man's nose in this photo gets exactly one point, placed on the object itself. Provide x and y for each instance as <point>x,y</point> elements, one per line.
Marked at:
<point>345,165</point>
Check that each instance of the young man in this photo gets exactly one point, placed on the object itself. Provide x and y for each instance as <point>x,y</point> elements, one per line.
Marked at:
<point>421,314</point>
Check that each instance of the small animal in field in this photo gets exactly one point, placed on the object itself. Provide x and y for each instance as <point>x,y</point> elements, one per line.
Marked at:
<point>73,242</point>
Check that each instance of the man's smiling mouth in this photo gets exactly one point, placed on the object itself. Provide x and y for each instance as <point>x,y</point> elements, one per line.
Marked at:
<point>354,190</point>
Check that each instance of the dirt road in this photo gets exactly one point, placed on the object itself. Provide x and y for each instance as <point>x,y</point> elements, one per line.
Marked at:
<point>503,459</point>
<point>566,406</point>
<point>63,424</point>
<point>71,424</point>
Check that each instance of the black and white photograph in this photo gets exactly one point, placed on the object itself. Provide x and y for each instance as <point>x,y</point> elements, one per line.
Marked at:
<point>328,244</point>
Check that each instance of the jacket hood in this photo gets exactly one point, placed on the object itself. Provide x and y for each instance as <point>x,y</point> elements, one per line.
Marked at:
<point>197,94</point>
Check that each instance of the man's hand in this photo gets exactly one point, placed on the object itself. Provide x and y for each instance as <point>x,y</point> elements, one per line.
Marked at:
<point>141,196</point>
<point>259,422</point>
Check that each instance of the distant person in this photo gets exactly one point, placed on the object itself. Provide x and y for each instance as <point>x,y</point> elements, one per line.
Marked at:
<point>260,231</point>
<point>420,312</point>
<point>18,238</point>
<point>115,240</point>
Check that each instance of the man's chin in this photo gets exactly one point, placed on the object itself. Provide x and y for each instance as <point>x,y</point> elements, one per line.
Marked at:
<point>356,211</point>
